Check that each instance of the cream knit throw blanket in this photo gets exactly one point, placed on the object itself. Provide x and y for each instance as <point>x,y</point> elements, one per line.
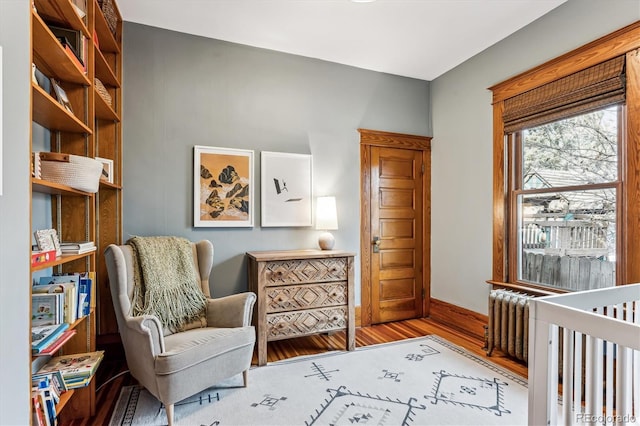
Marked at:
<point>165,282</point>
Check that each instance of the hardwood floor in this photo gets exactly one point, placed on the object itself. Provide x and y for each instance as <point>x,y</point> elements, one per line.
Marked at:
<point>113,364</point>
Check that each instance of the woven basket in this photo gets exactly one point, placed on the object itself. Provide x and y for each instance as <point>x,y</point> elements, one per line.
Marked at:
<point>109,12</point>
<point>102,91</point>
<point>81,173</point>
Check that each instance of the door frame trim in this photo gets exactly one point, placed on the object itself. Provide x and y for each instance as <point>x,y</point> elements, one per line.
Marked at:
<point>369,138</point>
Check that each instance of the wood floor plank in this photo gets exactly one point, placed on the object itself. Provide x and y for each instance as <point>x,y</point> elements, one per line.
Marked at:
<point>114,363</point>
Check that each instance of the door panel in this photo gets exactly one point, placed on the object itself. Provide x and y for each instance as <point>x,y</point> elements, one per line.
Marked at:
<point>396,219</point>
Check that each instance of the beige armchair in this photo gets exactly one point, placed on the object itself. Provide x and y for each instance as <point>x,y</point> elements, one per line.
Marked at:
<point>175,366</point>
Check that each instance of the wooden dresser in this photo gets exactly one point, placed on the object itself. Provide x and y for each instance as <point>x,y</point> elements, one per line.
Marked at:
<point>301,292</point>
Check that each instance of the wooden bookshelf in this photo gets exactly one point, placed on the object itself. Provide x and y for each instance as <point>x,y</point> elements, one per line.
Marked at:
<point>91,128</point>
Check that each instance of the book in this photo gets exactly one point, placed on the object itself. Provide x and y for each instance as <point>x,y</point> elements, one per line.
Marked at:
<point>78,251</point>
<point>71,39</point>
<point>37,411</point>
<point>75,368</point>
<point>65,278</point>
<point>84,302</point>
<point>75,383</point>
<point>57,344</point>
<point>70,289</point>
<point>47,308</point>
<point>38,257</point>
<point>42,336</point>
<point>47,400</point>
<point>76,245</point>
<point>54,377</point>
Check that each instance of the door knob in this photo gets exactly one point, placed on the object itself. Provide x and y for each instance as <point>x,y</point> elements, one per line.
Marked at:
<point>376,244</point>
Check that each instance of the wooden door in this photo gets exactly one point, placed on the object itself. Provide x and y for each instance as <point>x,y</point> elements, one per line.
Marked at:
<point>395,277</point>
<point>396,231</point>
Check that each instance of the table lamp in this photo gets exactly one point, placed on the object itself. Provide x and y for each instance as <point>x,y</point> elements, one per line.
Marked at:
<point>326,219</point>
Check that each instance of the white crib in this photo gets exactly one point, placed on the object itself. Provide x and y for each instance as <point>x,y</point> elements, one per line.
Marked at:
<point>584,357</point>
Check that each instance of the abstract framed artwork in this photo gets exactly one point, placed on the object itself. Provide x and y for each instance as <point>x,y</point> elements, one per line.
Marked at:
<point>222,187</point>
<point>286,198</point>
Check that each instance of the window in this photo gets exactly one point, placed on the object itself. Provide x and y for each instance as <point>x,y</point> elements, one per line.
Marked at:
<point>567,170</point>
<point>565,201</point>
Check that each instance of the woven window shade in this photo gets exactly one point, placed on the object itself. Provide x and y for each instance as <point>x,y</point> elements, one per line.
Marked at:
<point>581,92</point>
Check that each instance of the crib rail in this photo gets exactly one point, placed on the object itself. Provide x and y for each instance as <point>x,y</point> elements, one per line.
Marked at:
<point>584,351</point>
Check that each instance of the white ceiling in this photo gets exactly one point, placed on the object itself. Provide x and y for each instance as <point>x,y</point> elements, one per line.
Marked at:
<point>414,38</point>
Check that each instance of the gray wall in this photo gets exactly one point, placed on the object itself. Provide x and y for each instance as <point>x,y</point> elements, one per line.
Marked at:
<point>15,356</point>
<point>462,148</point>
<point>182,90</point>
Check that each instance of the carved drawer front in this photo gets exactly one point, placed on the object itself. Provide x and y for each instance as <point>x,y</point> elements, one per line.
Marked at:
<point>293,297</point>
<point>305,271</point>
<point>289,324</point>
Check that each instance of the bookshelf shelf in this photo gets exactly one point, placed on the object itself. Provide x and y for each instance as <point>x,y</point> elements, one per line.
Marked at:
<point>64,399</point>
<point>46,187</point>
<point>108,185</point>
<point>104,111</point>
<point>49,55</point>
<point>106,39</point>
<point>61,260</point>
<point>50,114</point>
<point>62,13</point>
<point>104,71</point>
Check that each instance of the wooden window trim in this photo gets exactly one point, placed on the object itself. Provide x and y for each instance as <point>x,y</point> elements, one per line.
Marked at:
<point>625,41</point>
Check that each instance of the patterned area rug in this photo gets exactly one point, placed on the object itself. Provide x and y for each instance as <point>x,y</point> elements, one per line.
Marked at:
<point>422,381</point>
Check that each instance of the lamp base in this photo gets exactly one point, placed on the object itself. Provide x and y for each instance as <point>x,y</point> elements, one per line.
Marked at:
<point>326,241</point>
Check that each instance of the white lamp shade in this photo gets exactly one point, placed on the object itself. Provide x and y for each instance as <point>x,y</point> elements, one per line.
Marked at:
<point>326,214</point>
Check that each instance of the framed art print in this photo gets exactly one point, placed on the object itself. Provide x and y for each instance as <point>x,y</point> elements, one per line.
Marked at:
<point>107,169</point>
<point>285,189</point>
<point>222,187</point>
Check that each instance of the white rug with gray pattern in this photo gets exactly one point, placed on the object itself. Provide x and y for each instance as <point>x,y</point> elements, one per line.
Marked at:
<point>422,381</point>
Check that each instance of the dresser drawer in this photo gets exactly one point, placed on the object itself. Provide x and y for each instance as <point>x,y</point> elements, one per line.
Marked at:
<point>300,271</point>
<point>298,323</point>
<point>305,296</point>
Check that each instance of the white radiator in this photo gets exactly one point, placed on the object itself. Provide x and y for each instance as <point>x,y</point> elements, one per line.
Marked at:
<point>508,328</point>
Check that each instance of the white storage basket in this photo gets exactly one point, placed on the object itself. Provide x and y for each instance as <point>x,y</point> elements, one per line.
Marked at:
<point>81,173</point>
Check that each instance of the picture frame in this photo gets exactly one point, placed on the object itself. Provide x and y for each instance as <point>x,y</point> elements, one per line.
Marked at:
<point>107,169</point>
<point>223,180</point>
<point>47,240</point>
<point>61,95</point>
<point>286,189</point>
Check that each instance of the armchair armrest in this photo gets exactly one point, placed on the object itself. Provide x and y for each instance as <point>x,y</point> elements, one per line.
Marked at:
<point>144,331</point>
<point>231,311</point>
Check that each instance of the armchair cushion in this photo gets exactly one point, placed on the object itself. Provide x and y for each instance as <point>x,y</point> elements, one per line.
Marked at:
<point>186,349</point>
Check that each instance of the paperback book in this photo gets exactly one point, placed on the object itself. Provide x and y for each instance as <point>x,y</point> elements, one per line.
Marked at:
<point>56,344</point>
<point>43,336</point>
<point>47,308</point>
<point>76,369</point>
<point>70,298</point>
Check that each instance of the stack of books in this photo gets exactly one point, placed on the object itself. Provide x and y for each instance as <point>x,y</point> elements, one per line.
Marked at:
<point>76,370</point>
<point>44,335</point>
<point>77,247</point>
<point>45,394</point>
